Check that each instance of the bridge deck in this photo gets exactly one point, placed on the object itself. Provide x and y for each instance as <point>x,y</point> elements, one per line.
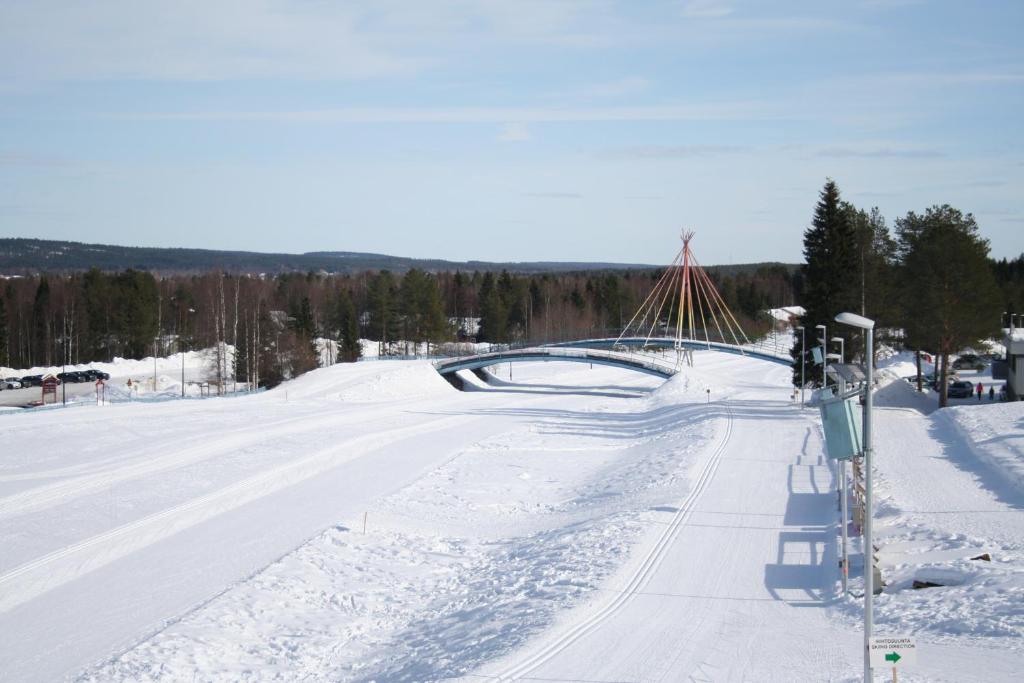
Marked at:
<point>590,351</point>
<point>540,353</point>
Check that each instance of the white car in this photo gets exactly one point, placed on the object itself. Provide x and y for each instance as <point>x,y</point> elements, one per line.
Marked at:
<point>10,383</point>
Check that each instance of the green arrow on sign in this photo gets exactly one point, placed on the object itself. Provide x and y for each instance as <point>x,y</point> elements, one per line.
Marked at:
<point>892,657</point>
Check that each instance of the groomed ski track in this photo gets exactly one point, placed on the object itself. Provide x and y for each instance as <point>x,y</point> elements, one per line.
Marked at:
<point>751,545</point>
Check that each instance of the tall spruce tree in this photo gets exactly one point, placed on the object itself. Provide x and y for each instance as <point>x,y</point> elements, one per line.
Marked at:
<point>829,275</point>
<point>382,309</point>
<point>5,356</point>
<point>349,349</point>
<point>950,297</point>
<point>493,316</point>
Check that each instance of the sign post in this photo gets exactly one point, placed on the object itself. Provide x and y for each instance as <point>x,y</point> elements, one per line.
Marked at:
<point>868,326</point>
<point>893,652</point>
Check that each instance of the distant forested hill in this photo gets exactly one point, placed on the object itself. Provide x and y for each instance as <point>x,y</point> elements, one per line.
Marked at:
<point>20,256</point>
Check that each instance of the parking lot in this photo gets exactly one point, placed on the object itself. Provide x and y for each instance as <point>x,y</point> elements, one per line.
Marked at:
<point>28,395</point>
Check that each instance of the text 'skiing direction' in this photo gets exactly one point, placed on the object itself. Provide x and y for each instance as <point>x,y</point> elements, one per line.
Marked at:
<point>893,651</point>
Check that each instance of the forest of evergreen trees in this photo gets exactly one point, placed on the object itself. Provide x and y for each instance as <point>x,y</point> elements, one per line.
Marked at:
<point>273,320</point>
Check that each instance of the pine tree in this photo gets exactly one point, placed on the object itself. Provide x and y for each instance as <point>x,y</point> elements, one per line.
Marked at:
<point>829,273</point>
<point>349,349</point>
<point>493,317</point>
<point>382,308</point>
<point>5,356</point>
<point>950,297</point>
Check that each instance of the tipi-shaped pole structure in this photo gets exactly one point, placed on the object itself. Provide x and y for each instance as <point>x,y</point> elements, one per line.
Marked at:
<point>683,294</point>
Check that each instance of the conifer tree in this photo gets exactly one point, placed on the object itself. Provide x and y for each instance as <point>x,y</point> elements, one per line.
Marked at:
<point>493,318</point>
<point>950,297</point>
<point>346,323</point>
<point>828,274</point>
<point>5,356</point>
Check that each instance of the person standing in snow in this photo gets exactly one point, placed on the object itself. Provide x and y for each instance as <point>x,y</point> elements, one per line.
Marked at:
<point>991,393</point>
<point>979,390</point>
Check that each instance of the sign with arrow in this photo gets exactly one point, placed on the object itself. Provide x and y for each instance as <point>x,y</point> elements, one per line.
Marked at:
<point>893,651</point>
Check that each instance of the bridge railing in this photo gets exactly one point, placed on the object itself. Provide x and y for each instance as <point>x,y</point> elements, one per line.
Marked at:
<point>658,348</point>
<point>650,362</point>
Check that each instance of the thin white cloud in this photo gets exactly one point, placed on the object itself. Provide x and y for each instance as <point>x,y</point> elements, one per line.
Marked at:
<point>706,9</point>
<point>622,87</point>
<point>672,151</point>
<point>515,132</point>
<point>195,40</point>
<point>879,153</point>
<point>553,195</point>
<point>499,115</point>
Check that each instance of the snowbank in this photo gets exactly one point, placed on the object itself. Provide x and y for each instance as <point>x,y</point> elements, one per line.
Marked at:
<point>369,382</point>
<point>995,434</point>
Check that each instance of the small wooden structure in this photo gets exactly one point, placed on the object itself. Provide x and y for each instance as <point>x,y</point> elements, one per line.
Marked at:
<point>50,384</point>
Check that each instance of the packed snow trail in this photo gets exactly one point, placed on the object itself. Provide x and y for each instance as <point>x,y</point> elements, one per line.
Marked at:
<point>751,547</point>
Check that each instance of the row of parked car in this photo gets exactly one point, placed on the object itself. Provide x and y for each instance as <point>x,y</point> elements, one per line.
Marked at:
<point>73,376</point>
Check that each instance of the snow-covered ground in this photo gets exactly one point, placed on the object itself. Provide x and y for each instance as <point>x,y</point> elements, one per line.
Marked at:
<point>368,522</point>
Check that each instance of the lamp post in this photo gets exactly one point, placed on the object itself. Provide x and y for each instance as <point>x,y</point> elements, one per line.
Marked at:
<point>803,362</point>
<point>843,509</point>
<point>182,367</point>
<point>868,326</point>
<point>842,348</point>
<point>824,354</point>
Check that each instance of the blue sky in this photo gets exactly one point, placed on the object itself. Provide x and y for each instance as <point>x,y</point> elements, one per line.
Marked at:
<point>512,130</point>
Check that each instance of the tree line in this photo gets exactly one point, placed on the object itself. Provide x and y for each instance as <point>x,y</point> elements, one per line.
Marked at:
<point>929,285</point>
<point>273,322</point>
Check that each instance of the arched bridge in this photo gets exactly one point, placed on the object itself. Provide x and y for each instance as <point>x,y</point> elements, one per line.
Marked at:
<point>762,350</point>
<point>594,351</point>
<point>546,353</point>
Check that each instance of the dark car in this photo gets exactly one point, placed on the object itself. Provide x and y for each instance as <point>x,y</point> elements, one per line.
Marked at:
<point>969,361</point>
<point>960,390</point>
<point>71,377</point>
<point>93,375</point>
<point>32,381</point>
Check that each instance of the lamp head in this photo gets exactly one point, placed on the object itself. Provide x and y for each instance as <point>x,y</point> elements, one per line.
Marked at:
<point>854,320</point>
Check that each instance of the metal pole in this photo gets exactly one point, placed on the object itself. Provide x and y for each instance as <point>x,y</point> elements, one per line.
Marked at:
<point>803,363</point>
<point>845,522</point>
<point>182,372</point>
<point>869,549</point>
<point>868,326</point>
<point>824,359</point>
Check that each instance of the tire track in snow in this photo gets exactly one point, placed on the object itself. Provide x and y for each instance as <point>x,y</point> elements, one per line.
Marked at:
<point>61,566</point>
<point>643,574</point>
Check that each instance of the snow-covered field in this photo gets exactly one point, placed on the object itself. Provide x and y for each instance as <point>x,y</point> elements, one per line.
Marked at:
<point>368,522</point>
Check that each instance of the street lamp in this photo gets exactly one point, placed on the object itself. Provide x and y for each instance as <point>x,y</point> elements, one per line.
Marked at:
<point>803,361</point>
<point>842,348</point>
<point>824,355</point>
<point>868,326</point>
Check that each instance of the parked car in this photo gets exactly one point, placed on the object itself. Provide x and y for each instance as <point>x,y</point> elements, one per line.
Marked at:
<point>32,381</point>
<point>93,375</point>
<point>960,390</point>
<point>11,383</point>
<point>969,361</point>
<point>71,377</point>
